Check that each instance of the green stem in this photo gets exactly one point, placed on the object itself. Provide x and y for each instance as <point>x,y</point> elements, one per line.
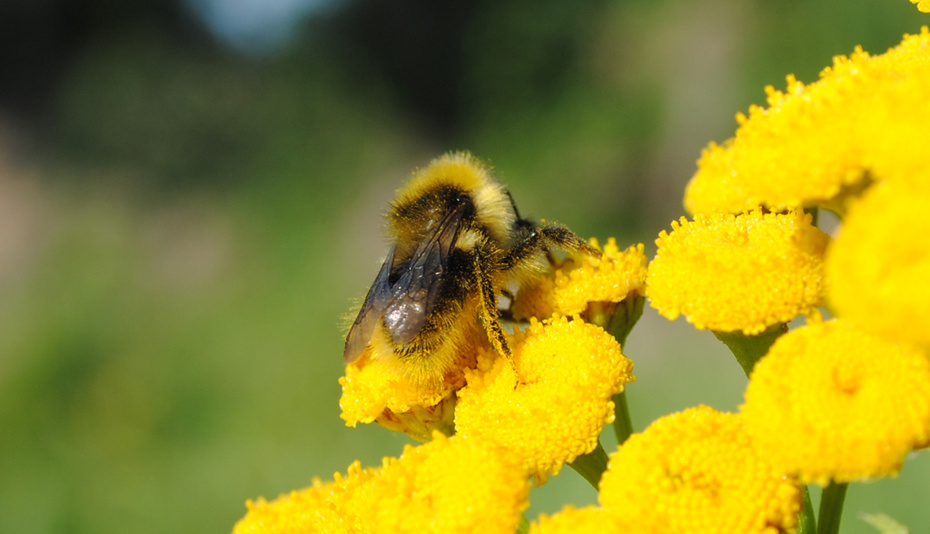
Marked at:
<point>831,508</point>
<point>524,526</point>
<point>592,465</point>
<point>806,523</point>
<point>750,349</point>
<point>619,319</point>
<point>623,425</point>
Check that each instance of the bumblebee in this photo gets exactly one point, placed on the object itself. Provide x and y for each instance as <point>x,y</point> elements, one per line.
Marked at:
<point>458,241</point>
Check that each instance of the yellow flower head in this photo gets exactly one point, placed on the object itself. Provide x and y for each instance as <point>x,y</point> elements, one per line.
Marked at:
<point>892,128</point>
<point>379,387</point>
<point>738,272</point>
<point>609,278</point>
<point>582,280</point>
<point>922,5</point>
<point>373,392</point>
<point>697,471</point>
<point>548,407</point>
<point>573,520</point>
<point>450,485</point>
<point>879,266</point>
<point>829,402</point>
<point>815,142</point>
<point>319,508</point>
<point>536,298</point>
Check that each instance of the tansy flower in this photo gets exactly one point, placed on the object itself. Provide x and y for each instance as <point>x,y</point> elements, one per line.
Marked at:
<point>585,285</point>
<point>609,278</point>
<point>697,471</point>
<point>879,266</point>
<point>319,508</point>
<point>450,485</point>
<point>571,520</point>
<point>549,405</point>
<point>379,390</point>
<point>892,128</point>
<point>922,5</point>
<point>831,403</point>
<point>812,143</point>
<point>738,272</point>
<point>536,297</point>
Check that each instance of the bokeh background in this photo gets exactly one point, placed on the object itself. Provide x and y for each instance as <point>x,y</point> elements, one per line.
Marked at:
<point>191,193</point>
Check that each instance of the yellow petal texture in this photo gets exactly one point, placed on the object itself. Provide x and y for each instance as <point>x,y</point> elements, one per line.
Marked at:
<point>381,387</point>
<point>582,279</point>
<point>742,272</point>
<point>829,402</point>
<point>609,278</point>
<point>450,485</point>
<point>879,266</point>
<point>815,141</point>
<point>536,298</point>
<point>591,519</point>
<point>696,471</point>
<point>892,127</point>
<point>319,508</point>
<point>370,386</point>
<point>419,422</point>
<point>548,407</point>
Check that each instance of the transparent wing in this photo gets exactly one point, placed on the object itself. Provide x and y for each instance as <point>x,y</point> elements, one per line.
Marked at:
<point>370,314</point>
<point>420,285</point>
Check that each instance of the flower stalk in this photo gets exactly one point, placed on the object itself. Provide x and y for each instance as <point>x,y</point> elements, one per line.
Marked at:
<point>619,319</point>
<point>806,522</point>
<point>591,466</point>
<point>623,425</point>
<point>750,349</point>
<point>831,508</point>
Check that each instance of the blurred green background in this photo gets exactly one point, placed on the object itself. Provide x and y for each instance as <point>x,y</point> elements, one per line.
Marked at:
<point>191,193</point>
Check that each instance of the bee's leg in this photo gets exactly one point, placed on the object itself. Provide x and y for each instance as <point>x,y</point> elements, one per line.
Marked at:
<point>562,237</point>
<point>529,244</point>
<point>488,302</point>
<point>542,237</point>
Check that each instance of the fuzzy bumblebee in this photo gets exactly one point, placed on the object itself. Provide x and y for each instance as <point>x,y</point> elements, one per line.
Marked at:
<point>457,241</point>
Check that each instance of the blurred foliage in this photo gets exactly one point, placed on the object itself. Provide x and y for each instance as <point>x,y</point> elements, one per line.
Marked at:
<point>182,228</point>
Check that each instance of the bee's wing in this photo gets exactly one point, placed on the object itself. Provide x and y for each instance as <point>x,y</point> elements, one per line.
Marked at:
<point>370,313</point>
<point>419,287</point>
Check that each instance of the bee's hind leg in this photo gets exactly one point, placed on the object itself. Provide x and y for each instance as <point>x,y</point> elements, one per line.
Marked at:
<point>487,304</point>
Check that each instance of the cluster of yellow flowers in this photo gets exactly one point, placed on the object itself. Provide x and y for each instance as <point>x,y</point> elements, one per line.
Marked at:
<point>456,485</point>
<point>511,420</point>
<point>549,405</point>
<point>829,402</point>
<point>839,400</point>
<point>693,471</point>
<point>563,371</point>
